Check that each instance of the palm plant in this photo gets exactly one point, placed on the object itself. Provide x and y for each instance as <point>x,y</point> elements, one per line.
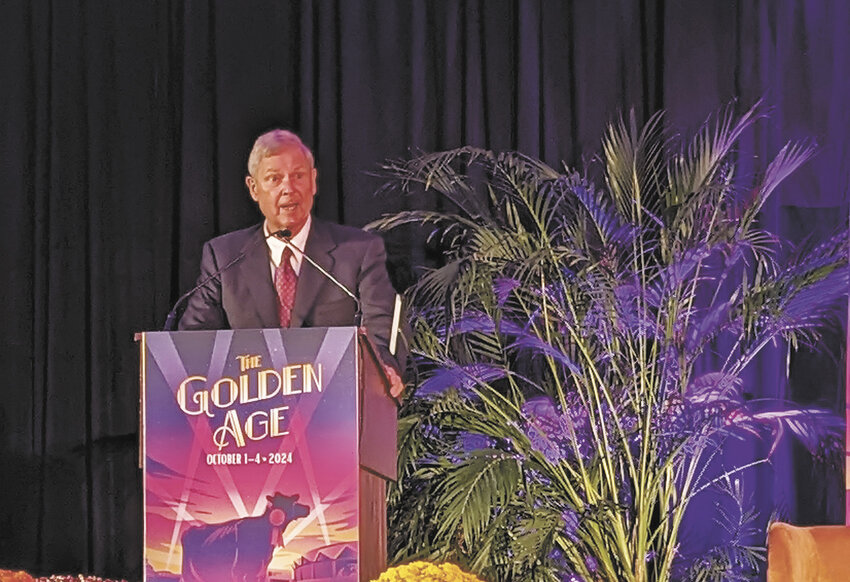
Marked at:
<point>564,420</point>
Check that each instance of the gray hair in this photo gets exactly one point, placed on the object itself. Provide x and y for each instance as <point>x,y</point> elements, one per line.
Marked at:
<point>271,143</point>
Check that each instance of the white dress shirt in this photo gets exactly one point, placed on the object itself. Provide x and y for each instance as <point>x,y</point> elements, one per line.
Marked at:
<point>276,246</point>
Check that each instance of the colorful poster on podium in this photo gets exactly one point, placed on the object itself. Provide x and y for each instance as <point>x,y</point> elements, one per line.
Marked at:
<point>250,455</point>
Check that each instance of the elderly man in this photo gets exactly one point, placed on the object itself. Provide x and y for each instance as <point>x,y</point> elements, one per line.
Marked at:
<point>272,286</point>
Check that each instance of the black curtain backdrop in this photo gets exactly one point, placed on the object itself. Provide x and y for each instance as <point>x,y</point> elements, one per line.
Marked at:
<point>124,132</point>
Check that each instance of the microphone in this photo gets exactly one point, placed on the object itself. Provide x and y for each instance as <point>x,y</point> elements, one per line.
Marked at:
<point>285,235</point>
<point>172,315</point>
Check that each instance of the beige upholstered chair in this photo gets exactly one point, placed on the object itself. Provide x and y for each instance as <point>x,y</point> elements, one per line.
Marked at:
<point>808,554</point>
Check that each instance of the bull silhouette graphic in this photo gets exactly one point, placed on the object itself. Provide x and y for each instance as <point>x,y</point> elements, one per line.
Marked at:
<point>238,550</point>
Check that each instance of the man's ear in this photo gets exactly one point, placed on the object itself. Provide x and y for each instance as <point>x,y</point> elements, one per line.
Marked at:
<point>251,183</point>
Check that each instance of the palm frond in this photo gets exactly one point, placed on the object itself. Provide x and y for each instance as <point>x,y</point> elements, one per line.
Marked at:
<point>787,161</point>
<point>633,159</point>
<point>461,378</point>
<point>442,172</point>
<point>692,170</point>
<point>472,489</point>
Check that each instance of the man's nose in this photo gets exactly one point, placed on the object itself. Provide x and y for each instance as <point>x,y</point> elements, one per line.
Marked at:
<point>285,183</point>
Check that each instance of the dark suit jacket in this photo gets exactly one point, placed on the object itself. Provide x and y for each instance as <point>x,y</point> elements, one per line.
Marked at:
<point>243,297</point>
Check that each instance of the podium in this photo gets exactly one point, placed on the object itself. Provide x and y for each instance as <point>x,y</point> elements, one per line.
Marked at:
<point>265,455</point>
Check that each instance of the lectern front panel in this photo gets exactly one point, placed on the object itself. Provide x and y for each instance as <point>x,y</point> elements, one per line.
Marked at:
<point>251,454</point>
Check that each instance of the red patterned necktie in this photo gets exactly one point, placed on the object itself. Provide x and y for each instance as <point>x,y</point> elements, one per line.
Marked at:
<point>284,282</point>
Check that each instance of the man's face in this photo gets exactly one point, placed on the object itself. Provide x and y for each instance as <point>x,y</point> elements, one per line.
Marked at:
<point>284,188</point>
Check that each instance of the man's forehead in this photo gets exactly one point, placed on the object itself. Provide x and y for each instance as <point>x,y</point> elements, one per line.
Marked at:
<point>290,156</point>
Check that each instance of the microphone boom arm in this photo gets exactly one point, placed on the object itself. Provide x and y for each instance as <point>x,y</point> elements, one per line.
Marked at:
<point>284,236</point>
<point>172,315</point>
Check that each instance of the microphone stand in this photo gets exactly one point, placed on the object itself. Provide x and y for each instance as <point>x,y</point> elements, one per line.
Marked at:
<point>285,235</point>
<point>170,320</point>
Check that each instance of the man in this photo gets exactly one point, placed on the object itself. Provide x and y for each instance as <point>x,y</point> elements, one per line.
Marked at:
<point>257,291</point>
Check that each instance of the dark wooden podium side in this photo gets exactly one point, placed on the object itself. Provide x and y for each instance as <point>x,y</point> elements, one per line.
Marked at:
<point>378,416</point>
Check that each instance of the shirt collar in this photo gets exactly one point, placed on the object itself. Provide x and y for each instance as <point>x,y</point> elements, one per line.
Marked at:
<point>276,245</point>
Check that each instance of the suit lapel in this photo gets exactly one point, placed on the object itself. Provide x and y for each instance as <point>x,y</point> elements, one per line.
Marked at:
<point>255,279</point>
<point>319,246</point>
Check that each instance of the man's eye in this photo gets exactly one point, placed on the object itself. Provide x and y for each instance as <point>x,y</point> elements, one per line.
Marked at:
<point>273,179</point>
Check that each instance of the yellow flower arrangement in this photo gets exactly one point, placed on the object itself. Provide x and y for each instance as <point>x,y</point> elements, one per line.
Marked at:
<point>426,572</point>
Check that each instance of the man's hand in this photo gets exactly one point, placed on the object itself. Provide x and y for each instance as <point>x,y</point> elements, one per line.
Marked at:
<point>396,385</point>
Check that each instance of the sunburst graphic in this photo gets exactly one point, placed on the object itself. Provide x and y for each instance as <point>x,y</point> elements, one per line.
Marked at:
<point>190,481</point>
